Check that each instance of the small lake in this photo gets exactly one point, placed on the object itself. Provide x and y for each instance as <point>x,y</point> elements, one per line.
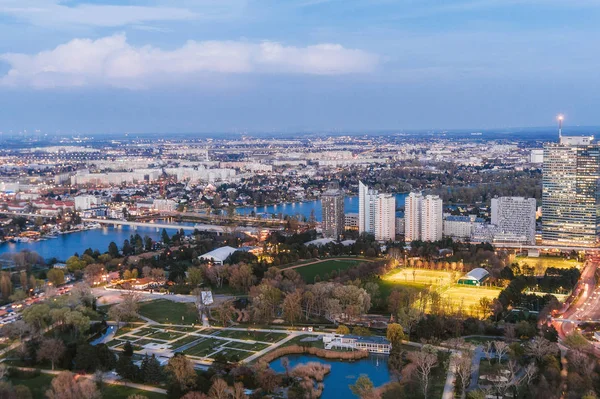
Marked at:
<point>305,208</point>
<point>342,373</point>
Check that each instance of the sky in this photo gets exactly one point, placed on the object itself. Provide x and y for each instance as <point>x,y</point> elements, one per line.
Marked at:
<point>234,66</point>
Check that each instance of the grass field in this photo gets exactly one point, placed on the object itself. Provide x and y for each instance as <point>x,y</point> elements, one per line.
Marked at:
<point>419,277</point>
<point>204,348</point>
<point>249,347</point>
<point>309,272</point>
<point>165,311</point>
<point>469,296</point>
<point>38,386</point>
<point>252,335</point>
<point>549,261</point>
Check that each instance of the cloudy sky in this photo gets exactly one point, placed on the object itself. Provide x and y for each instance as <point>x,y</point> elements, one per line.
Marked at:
<point>290,65</point>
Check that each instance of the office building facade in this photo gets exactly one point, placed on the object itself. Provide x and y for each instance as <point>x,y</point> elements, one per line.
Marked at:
<point>570,193</point>
<point>515,216</point>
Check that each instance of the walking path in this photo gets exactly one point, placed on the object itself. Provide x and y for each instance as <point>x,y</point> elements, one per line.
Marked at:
<point>450,377</point>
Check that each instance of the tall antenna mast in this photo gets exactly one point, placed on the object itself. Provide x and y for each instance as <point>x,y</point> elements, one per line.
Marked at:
<point>560,121</point>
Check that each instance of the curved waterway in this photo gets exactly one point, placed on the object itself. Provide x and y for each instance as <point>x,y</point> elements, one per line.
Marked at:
<point>65,245</point>
<point>305,208</point>
<point>343,373</point>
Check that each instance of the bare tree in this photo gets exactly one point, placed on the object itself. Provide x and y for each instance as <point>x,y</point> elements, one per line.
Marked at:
<point>225,312</point>
<point>65,386</point>
<point>540,347</point>
<point>424,362</point>
<point>530,372</point>
<point>238,391</point>
<point>488,351</point>
<point>219,390</point>
<point>51,349</point>
<point>463,366</point>
<point>501,349</point>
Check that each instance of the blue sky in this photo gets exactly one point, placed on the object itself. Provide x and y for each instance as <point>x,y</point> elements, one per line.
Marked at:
<point>292,65</point>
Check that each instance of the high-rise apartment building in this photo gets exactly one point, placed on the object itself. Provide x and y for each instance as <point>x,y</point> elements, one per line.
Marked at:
<point>432,218</point>
<point>367,199</point>
<point>332,203</point>
<point>515,216</point>
<point>412,217</point>
<point>385,217</point>
<point>570,193</point>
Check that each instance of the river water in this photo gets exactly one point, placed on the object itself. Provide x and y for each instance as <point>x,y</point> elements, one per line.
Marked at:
<point>343,374</point>
<point>305,208</point>
<point>65,245</point>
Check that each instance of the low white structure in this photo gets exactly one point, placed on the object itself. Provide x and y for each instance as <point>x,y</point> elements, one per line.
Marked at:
<point>371,344</point>
<point>475,277</point>
<point>219,255</point>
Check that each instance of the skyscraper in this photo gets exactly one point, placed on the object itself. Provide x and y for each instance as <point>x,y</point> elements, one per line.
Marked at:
<point>367,200</point>
<point>432,222</point>
<point>515,216</point>
<point>412,217</point>
<point>570,195</point>
<point>385,217</point>
<point>332,203</point>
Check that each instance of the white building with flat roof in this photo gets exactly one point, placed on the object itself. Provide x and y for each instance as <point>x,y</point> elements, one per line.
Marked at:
<point>385,217</point>
<point>412,217</point>
<point>432,218</point>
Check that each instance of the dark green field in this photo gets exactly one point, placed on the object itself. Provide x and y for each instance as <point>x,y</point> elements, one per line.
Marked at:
<point>168,312</point>
<point>309,272</point>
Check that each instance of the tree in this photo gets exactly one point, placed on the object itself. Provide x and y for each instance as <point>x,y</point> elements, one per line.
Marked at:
<point>6,285</point>
<point>395,334</point>
<point>424,361</point>
<point>128,349</point>
<point>165,237</point>
<point>463,363</point>
<point>488,351</point>
<point>151,371</point>
<point>501,349</point>
<point>540,347</point>
<point>363,387</point>
<point>74,264</point>
<point>194,276</point>
<point>218,390</point>
<point>126,369</point>
<point>126,310</point>
<point>56,276</point>
<point>182,372</point>
<point>396,360</point>
<point>51,349</point>
<point>292,306</point>
<point>37,316</point>
<point>18,295</point>
<point>65,386</point>
<point>342,330</point>
<point>242,277</point>
<point>225,312</point>
<point>93,273</point>
<point>113,250</point>
<point>86,358</point>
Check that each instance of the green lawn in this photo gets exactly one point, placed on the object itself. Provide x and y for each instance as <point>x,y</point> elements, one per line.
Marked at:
<point>309,272</point>
<point>38,386</point>
<point>249,347</point>
<point>165,311</point>
<point>231,353</point>
<point>204,348</point>
<point>166,335</point>
<point>252,335</point>
<point>185,340</point>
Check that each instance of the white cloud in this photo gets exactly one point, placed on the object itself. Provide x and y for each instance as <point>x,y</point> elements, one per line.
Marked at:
<point>111,61</point>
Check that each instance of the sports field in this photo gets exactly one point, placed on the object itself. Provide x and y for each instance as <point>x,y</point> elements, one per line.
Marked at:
<point>469,296</point>
<point>549,261</point>
<point>420,277</point>
<point>309,272</point>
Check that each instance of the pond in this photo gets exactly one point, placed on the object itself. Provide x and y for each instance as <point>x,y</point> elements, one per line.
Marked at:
<point>343,373</point>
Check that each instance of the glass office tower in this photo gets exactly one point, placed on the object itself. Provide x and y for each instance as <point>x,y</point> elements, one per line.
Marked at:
<point>570,195</point>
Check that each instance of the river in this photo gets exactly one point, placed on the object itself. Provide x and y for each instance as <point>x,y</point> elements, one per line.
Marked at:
<point>343,373</point>
<point>305,208</point>
<point>65,245</point>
